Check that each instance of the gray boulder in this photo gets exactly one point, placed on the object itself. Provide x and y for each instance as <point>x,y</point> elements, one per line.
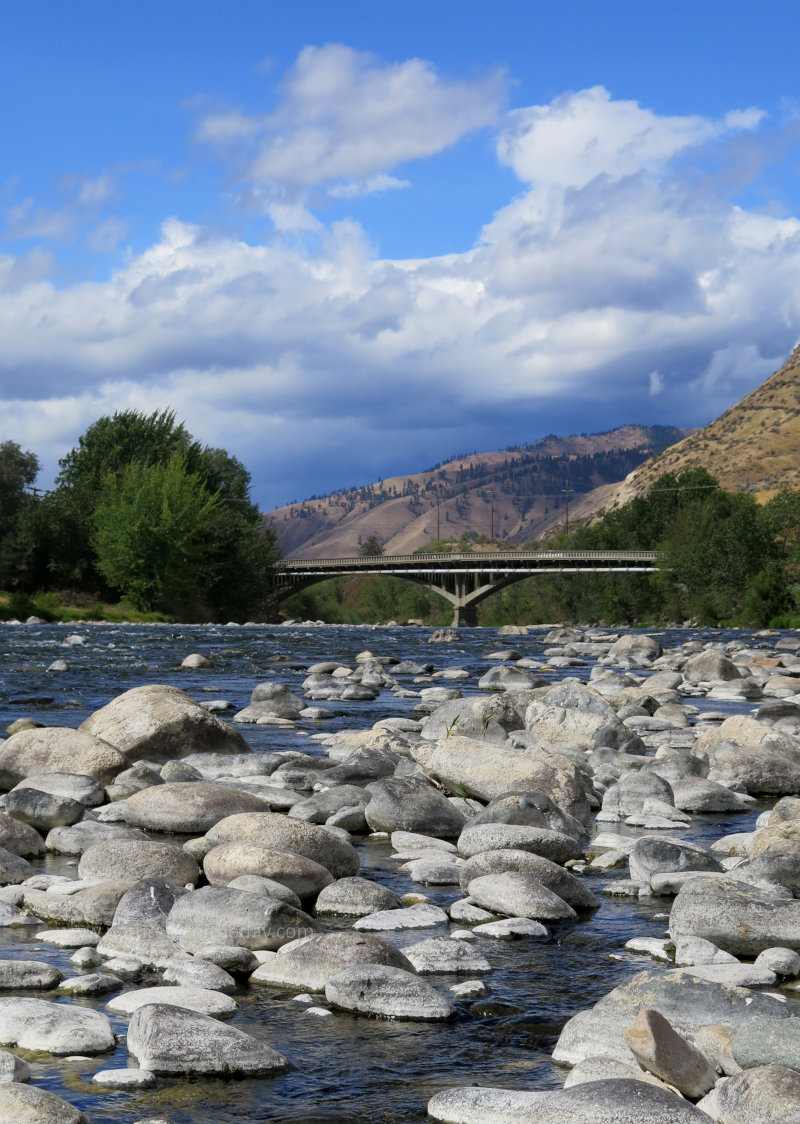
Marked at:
<point>27,1104</point>
<point>27,974</point>
<point>411,804</point>
<point>686,1001</point>
<point>738,918</point>
<point>53,1028</point>
<point>311,964</point>
<point>188,807</point>
<point>78,837</point>
<point>281,833</point>
<point>43,810</point>
<point>515,894</point>
<point>170,1040</point>
<point>768,1094</point>
<point>553,845</point>
<point>355,897</point>
<point>93,906</point>
<point>160,723</point>
<point>228,861</point>
<point>767,1042</point>
<point>651,856</point>
<point>488,771</point>
<point>135,859</point>
<point>224,916</point>
<point>13,868</point>
<point>378,989</point>
<point>53,749</point>
<point>568,887</point>
<point>19,838</point>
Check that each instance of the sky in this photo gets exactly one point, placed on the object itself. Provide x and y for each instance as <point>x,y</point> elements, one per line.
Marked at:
<point>350,240</point>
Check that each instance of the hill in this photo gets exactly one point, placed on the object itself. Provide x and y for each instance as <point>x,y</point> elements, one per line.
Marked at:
<point>515,495</point>
<point>754,446</point>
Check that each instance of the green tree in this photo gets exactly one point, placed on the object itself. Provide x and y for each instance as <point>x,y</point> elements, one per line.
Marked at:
<point>18,470</point>
<point>371,547</point>
<point>151,535</point>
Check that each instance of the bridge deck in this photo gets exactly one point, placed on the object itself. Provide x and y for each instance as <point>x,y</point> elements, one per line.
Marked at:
<point>478,563</point>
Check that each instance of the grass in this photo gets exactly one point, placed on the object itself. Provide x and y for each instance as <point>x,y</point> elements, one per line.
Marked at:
<point>52,608</point>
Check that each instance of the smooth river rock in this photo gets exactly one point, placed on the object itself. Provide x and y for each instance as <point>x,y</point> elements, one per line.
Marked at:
<point>281,833</point>
<point>172,1040</point>
<point>160,723</point>
<point>553,845</point>
<point>55,749</point>
<point>188,807</point>
<point>53,1028</point>
<point>735,916</point>
<point>310,964</point>
<point>228,861</point>
<point>378,989</point>
<point>213,915</point>
<point>27,1104</point>
<point>514,894</point>
<point>135,859</point>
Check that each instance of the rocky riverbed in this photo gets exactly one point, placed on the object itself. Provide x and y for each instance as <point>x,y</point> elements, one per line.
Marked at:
<point>313,873</point>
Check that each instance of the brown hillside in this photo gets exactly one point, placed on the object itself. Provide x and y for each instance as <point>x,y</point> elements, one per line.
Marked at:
<point>516,495</point>
<point>754,445</point>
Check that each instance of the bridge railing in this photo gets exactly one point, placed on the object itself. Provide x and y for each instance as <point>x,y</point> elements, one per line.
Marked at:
<point>482,559</point>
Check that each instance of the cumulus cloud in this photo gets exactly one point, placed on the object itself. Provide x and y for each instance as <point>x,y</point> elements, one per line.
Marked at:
<point>345,119</point>
<point>601,285</point>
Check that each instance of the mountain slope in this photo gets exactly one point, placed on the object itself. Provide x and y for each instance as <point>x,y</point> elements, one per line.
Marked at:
<point>514,495</point>
<point>754,445</point>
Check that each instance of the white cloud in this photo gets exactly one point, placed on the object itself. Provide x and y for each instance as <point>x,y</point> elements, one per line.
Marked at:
<point>345,119</point>
<point>656,383</point>
<point>314,360</point>
<point>586,134</point>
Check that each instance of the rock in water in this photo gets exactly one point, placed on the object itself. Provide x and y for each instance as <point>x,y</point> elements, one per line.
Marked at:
<point>378,989</point>
<point>167,1039</point>
<point>159,723</point>
<point>25,1104</point>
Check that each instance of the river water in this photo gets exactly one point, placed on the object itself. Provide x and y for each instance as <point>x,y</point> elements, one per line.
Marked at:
<point>345,1069</point>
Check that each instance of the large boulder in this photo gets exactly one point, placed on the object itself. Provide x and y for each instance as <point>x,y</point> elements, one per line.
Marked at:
<point>139,924</point>
<point>651,855</point>
<point>312,963</point>
<point>411,804</point>
<point>28,1104</point>
<point>167,1039</point>
<point>379,989</point>
<point>765,760</point>
<point>355,897</point>
<point>133,859</point>
<point>486,718</point>
<point>53,1028</point>
<point>569,887</point>
<point>281,833</point>
<point>214,915</point>
<point>515,894</point>
<point>93,906</point>
<point>19,838</point>
<point>489,771</point>
<point>573,716</point>
<point>710,666</point>
<point>735,916</point>
<point>160,723</point>
<point>55,749</point>
<point>77,838</point>
<point>231,860</point>
<point>768,1094</point>
<point>686,1001</point>
<point>553,845</point>
<point>188,807</point>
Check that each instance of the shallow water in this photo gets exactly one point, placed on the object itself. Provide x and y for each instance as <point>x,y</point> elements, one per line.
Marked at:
<point>345,1069</point>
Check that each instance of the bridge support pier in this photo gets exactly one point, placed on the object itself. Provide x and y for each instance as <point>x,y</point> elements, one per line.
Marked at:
<point>465,616</point>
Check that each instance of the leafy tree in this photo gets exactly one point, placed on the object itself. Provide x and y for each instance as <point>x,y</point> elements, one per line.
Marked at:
<point>18,470</point>
<point>151,535</point>
<point>371,547</point>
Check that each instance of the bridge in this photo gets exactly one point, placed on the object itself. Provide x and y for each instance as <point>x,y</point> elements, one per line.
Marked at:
<point>465,579</point>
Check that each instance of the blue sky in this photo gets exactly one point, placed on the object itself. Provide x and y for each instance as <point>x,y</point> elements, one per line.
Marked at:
<point>349,240</point>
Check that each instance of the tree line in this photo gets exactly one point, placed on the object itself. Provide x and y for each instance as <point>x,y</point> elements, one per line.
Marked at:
<point>140,511</point>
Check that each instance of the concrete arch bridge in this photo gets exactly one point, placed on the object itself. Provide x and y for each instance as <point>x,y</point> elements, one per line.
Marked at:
<point>465,579</point>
